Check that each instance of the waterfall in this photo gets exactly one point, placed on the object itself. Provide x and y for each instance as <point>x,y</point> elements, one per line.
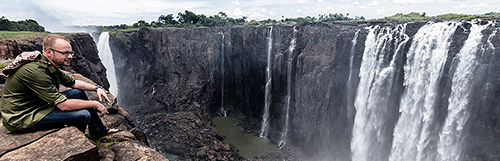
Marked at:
<point>372,98</point>
<point>222,89</point>
<point>451,136</point>
<point>265,116</point>
<point>289,62</point>
<point>425,62</point>
<point>107,59</point>
<point>349,85</point>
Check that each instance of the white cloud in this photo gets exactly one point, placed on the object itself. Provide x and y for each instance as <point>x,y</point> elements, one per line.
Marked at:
<point>374,3</point>
<point>117,11</point>
<point>355,3</point>
<point>298,11</point>
<point>302,1</point>
<point>406,2</point>
<point>482,5</point>
<point>320,1</point>
<point>236,12</point>
<point>1,6</point>
<point>462,6</point>
<point>235,3</point>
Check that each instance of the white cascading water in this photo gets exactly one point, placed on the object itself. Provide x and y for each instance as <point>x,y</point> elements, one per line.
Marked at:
<point>349,85</point>
<point>425,62</point>
<point>222,89</point>
<point>289,62</point>
<point>265,117</point>
<point>372,97</point>
<point>107,59</point>
<point>451,136</point>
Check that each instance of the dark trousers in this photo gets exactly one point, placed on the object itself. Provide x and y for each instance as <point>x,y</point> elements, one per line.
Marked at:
<point>78,118</point>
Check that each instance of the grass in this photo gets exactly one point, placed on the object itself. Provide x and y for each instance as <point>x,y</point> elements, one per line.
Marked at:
<point>17,35</point>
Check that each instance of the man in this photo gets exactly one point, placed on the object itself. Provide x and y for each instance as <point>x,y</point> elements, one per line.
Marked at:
<point>31,99</point>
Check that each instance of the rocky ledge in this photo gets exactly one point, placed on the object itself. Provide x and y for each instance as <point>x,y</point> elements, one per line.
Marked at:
<point>70,144</point>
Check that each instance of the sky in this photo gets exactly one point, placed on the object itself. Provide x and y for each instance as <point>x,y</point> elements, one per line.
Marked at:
<point>56,15</point>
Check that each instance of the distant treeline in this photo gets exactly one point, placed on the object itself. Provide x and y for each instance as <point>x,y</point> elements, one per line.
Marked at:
<point>24,25</point>
<point>190,19</point>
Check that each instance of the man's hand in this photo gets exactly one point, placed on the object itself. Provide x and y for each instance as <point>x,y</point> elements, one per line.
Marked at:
<point>101,93</point>
<point>101,109</point>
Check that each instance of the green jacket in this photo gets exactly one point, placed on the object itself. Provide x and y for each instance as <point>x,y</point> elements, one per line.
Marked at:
<point>31,93</point>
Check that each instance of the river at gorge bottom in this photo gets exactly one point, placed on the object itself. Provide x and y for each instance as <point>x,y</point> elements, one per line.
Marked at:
<point>248,145</point>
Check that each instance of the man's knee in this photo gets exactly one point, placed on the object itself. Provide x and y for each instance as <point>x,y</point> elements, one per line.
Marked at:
<point>83,116</point>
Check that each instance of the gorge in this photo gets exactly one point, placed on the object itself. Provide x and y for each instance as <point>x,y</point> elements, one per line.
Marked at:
<point>341,91</point>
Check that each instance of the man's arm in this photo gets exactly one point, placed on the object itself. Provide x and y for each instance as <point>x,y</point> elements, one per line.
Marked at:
<point>89,87</point>
<point>76,104</point>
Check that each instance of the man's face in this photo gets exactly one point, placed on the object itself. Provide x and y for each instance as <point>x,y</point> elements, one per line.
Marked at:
<point>58,54</point>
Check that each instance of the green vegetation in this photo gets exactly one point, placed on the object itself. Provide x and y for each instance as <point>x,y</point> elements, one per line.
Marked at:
<point>24,25</point>
<point>17,35</point>
<point>190,19</point>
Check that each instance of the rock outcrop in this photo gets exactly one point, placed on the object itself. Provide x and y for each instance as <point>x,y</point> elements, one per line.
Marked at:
<point>69,143</point>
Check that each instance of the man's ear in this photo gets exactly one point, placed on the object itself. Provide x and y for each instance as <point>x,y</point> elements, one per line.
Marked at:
<point>46,52</point>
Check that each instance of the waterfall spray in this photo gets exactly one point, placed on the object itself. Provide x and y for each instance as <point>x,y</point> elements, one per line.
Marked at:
<point>349,85</point>
<point>107,59</point>
<point>222,89</point>
<point>451,136</point>
<point>289,62</point>
<point>374,90</point>
<point>424,66</point>
<point>265,117</point>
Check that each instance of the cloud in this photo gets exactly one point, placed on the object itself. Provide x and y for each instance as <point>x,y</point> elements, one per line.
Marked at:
<point>462,6</point>
<point>482,5</point>
<point>236,12</point>
<point>374,3</point>
<point>298,11</point>
<point>302,1</point>
<point>355,3</point>
<point>320,1</point>
<point>407,2</point>
<point>235,3</point>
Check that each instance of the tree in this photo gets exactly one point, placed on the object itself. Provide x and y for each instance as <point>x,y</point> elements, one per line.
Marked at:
<point>140,24</point>
<point>24,25</point>
<point>187,17</point>
<point>167,20</point>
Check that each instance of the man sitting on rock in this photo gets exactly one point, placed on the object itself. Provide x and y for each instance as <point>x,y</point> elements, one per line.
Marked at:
<point>31,99</point>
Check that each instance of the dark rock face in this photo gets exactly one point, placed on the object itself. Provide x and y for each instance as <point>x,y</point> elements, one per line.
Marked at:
<point>86,60</point>
<point>187,135</point>
<point>172,71</point>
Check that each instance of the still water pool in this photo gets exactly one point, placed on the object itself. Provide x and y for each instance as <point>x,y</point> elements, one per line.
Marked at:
<point>248,145</point>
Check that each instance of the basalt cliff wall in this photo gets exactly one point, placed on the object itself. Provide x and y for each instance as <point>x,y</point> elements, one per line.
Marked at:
<point>197,72</point>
